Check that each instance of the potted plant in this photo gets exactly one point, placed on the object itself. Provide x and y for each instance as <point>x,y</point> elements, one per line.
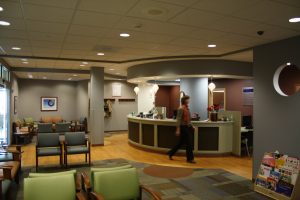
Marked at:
<point>213,112</point>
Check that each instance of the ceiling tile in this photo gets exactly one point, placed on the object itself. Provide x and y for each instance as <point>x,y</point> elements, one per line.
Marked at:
<point>10,33</point>
<point>219,6</point>
<point>78,46</point>
<point>87,30</point>
<point>289,2</point>
<point>205,34</point>
<point>44,36</point>
<point>11,9</point>
<point>81,40</point>
<point>42,44</point>
<point>14,42</point>
<point>49,14</point>
<point>47,52</point>
<point>95,19</point>
<point>197,18</point>
<point>241,40</point>
<point>130,23</point>
<point>47,27</point>
<point>154,10</point>
<point>112,6</point>
<point>55,3</point>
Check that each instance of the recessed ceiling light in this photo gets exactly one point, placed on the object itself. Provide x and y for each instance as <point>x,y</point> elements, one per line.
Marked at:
<point>69,79</point>
<point>25,62</point>
<point>85,63</point>
<point>288,63</point>
<point>30,76</point>
<point>75,75</point>
<point>44,77</point>
<point>117,73</point>
<point>124,34</point>
<point>111,69</point>
<point>294,20</point>
<point>4,23</point>
<point>81,65</point>
<point>100,54</point>
<point>211,45</point>
<point>16,48</point>
<point>24,59</point>
<point>1,9</point>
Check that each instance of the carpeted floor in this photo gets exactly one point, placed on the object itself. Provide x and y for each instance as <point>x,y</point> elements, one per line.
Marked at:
<point>176,183</point>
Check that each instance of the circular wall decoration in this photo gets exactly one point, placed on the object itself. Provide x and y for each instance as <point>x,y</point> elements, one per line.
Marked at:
<point>286,79</point>
<point>51,103</point>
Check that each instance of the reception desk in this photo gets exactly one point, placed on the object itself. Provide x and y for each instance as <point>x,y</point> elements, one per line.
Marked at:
<point>215,138</point>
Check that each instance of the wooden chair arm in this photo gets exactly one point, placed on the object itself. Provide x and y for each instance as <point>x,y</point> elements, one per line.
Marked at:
<point>81,196</point>
<point>86,183</point>
<point>78,182</point>
<point>96,196</point>
<point>153,194</point>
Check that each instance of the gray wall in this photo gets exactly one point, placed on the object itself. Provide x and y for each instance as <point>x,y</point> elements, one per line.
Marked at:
<point>118,119</point>
<point>197,89</point>
<point>276,118</point>
<point>82,97</point>
<point>30,92</point>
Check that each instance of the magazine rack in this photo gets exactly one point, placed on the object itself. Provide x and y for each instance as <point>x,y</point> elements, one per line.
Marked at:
<point>282,182</point>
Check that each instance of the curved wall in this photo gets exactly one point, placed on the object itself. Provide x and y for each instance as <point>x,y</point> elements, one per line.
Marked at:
<point>194,67</point>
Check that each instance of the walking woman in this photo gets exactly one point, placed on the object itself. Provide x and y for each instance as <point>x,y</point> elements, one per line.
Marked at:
<point>183,130</point>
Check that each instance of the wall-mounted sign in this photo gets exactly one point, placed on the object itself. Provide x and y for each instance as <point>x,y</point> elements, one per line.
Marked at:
<point>49,104</point>
<point>116,89</point>
<point>248,95</point>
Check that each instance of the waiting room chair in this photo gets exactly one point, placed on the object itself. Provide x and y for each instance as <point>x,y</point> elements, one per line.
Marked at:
<point>62,127</point>
<point>58,186</point>
<point>115,184</point>
<point>81,125</point>
<point>48,144</point>
<point>76,143</point>
<point>45,128</point>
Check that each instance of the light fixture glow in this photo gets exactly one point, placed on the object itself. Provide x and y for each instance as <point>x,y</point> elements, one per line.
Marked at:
<point>4,23</point>
<point>24,59</point>
<point>1,9</point>
<point>85,63</point>
<point>294,20</point>
<point>16,48</point>
<point>25,62</point>
<point>30,76</point>
<point>75,75</point>
<point>44,77</point>
<point>111,69</point>
<point>81,65</point>
<point>288,63</point>
<point>211,86</point>
<point>124,34</point>
<point>155,88</point>
<point>69,79</point>
<point>136,90</point>
<point>117,73</point>
<point>211,45</point>
<point>100,54</point>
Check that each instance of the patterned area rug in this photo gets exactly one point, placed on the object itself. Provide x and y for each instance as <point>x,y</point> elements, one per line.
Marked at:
<point>196,184</point>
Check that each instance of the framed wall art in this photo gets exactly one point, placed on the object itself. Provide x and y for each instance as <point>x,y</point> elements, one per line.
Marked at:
<point>49,103</point>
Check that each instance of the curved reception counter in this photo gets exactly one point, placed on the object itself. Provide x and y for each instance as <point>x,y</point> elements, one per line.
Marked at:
<point>215,138</point>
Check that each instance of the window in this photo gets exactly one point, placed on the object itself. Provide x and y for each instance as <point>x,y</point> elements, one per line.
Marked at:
<point>5,74</point>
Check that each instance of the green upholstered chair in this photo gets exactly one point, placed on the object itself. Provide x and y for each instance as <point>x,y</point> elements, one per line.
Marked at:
<point>48,144</point>
<point>77,143</point>
<point>52,186</point>
<point>45,128</point>
<point>115,184</point>
<point>62,127</point>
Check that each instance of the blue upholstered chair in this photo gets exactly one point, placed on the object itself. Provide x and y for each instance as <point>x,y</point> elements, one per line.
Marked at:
<point>48,144</point>
<point>62,127</point>
<point>45,128</point>
<point>76,143</point>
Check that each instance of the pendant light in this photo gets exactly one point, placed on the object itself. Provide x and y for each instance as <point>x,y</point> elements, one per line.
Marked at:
<point>136,90</point>
<point>211,85</point>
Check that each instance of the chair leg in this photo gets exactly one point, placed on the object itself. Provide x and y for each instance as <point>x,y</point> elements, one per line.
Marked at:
<point>89,158</point>
<point>247,148</point>
<point>86,157</point>
<point>36,163</point>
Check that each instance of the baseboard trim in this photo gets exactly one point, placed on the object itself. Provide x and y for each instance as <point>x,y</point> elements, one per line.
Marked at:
<point>96,145</point>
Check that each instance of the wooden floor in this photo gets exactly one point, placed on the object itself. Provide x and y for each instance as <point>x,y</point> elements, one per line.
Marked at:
<point>116,146</point>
